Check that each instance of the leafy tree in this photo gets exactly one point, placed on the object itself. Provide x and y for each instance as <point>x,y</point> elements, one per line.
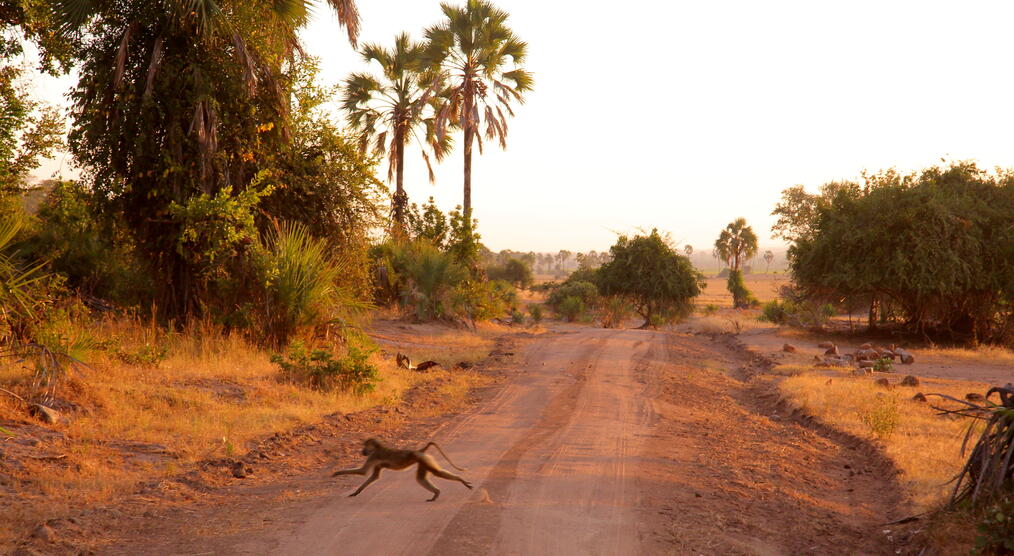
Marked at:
<point>430,224</point>
<point>735,245</point>
<point>659,282</point>
<point>474,48</point>
<point>941,257</point>
<point>180,100</point>
<point>514,271</point>
<point>389,111</point>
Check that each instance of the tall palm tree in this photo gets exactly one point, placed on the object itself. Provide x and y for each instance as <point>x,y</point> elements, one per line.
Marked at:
<point>480,57</point>
<point>389,111</point>
<point>736,244</point>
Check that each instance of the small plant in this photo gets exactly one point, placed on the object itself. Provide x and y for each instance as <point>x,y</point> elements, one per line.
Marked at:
<point>884,365</point>
<point>535,311</point>
<point>571,308</point>
<point>710,309</point>
<point>883,418</point>
<point>320,370</point>
<point>148,355</point>
<point>996,530</point>
<point>517,317</point>
<point>776,312</point>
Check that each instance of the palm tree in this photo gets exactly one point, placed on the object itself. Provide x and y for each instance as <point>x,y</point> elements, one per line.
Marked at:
<point>736,244</point>
<point>474,47</point>
<point>388,111</point>
<point>768,257</point>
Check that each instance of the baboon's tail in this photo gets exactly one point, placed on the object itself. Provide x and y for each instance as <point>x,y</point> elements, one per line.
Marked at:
<point>443,454</point>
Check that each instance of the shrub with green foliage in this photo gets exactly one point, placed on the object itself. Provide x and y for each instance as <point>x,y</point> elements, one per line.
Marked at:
<point>319,369</point>
<point>571,308</point>
<point>996,530</point>
<point>515,271</point>
<point>657,281</point>
<point>741,296</point>
<point>587,292</point>
<point>776,311</point>
<point>614,311</point>
<point>535,311</point>
<point>937,245</point>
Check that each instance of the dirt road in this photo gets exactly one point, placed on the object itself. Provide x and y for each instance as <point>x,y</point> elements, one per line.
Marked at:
<point>615,442</point>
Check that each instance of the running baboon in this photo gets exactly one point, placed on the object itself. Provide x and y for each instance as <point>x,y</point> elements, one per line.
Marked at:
<point>379,457</point>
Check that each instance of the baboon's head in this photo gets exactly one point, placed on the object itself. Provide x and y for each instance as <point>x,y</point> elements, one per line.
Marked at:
<point>370,446</point>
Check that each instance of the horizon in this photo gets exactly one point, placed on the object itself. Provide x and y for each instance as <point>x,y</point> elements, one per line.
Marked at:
<point>756,100</point>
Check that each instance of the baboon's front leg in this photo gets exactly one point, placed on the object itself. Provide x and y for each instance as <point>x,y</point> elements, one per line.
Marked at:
<point>366,483</point>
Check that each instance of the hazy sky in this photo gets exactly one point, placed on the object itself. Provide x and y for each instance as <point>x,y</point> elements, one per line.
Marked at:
<point>686,115</point>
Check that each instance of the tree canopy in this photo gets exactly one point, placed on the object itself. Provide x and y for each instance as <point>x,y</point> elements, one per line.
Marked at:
<point>659,282</point>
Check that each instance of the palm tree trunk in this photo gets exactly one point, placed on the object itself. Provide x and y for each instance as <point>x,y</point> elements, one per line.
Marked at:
<point>469,137</point>
<point>400,198</point>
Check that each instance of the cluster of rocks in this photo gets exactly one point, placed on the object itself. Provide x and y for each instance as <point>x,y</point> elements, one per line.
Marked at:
<point>865,357</point>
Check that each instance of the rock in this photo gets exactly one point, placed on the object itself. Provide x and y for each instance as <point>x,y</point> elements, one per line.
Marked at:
<point>866,364</point>
<point>426,365</point>
<point>910,380</point>
<point>974,397</point>
<point>866,355</point>
<point>906,357</point>
<point>866,346</point>
<point>240,470</point>
<point>919,397</point>
<point>833,350</point>
<point>862,372</point>
<point>789,348</point>
<point>883,383</point>
<point>467,365</point>
<point>46,414</point>
<point>25,551</point>
<point>825,345</point>
<point>44,533</point>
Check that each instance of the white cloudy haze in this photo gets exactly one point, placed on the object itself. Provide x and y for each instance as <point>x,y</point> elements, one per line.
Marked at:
<point>685,115</point>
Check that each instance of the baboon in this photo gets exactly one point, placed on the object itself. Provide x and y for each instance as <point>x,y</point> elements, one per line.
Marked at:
<point>379,457</point>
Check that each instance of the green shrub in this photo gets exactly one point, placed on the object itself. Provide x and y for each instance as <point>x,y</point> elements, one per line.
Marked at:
<point>514,271</point>
<point>517,317</point>
<point>741,296</point>
<point>776,312</point>
<point>148,355</point>
<point>535,311</point>
<point>571,308</point>
<point>883,418</point>
<point>320,370</point>
<point>710,309</point>
<point>996,530</point>
<point>884,365</point>
<point>587,292</point>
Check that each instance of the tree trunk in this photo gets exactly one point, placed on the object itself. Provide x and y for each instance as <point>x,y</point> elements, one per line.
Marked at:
<point>400,198</point>
<point>872,324</point>
<point>469,137</point>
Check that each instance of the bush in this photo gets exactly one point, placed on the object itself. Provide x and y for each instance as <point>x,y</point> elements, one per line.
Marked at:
<point>585,291</point>
<point>996,530</point>
<point>535,311</point>
<point>883,418</point>
<point>741,296</point>
<point>517,317</point>
<point>571,308</point>
<point>320,370</point>
<point>884,365</point>
<point>776,312</point>
<point>514,271</point>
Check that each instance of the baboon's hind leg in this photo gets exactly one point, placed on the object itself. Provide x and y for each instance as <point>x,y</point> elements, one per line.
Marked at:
<point>450,476</point>
<point>420,477</point>
<point>366,483</point>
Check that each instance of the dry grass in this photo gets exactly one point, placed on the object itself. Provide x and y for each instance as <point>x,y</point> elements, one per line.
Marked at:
<point>983,354</point>
<point>763,286</point>
<point>725,322</point>
<point>211,397</point>
<point>924,446</point>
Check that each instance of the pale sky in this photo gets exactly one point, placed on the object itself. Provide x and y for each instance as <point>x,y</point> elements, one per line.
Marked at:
<point>685,115</point>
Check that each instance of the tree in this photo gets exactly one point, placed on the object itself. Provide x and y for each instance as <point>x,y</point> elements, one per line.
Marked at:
<point>942,258</point>
<point>646,270</point>
<point>688,250</point>
<point>430,224</point>
<point>389,112</point>
<point>514,271</point>
<point>768,257</point>
<point>473,48</point>
<point>180,102</point>
<point>735,245</point>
